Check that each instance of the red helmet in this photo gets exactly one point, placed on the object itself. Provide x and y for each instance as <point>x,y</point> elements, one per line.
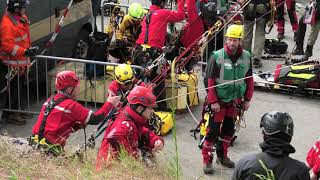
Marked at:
<point>142,95</point>
<point>66,79</point>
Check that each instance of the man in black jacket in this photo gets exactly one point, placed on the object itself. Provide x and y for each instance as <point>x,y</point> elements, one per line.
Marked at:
<point>277,130</point>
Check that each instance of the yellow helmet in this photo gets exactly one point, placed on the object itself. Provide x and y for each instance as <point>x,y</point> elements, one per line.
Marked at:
<point>123,74</point>
<point>235,31</point>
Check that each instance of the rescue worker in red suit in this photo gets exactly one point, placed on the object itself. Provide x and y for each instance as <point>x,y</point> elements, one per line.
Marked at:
<point>226,66</point>
<point>152,39</point>
<point>313,161</point>
<point>191,31</point>
<point>61,115</point>
<point>199,22</point>
<point>124,81</point>
<point>128,130</point>
<point>14,61</point>
<point>291,9</point>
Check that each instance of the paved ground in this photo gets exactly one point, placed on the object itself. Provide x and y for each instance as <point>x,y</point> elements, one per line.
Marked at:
<point>305,112</point>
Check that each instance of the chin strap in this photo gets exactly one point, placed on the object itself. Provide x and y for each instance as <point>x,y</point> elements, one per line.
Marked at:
<point>65,94</point>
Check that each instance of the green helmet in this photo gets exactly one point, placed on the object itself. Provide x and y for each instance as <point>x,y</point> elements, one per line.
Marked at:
<point>136,11</point>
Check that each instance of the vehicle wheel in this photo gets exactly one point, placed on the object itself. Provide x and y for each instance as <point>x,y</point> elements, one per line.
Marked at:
<point>81,45</point>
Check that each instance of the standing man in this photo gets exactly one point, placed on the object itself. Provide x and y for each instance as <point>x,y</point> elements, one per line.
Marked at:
<point>291,9</point>
<point>14,61</point>
<point>314,32</point>
<point>152,39</point>
<point>227,91</point>
<point>255,14</point>
<point>277,130</point>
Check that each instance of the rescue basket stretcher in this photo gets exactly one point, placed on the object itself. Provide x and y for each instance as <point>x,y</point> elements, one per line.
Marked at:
<point>267,83</point>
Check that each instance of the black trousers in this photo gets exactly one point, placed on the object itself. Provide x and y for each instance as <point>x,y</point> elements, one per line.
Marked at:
<point>15,97</point>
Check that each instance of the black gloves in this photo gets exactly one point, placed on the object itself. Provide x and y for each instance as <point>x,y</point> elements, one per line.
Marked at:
<point>31,51</point>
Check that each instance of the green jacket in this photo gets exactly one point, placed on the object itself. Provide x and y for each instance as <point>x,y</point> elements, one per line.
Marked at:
<point>229,72</point>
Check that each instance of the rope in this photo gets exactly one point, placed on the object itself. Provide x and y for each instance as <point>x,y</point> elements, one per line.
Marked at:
<point>258,74</point>
<point>200,40</point>
<point>204,42</point>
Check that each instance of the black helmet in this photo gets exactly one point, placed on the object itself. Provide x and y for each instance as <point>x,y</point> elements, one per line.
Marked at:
<point>18,3</point>
<point>158,2</point>
<point>275,122</point>
<point>12,4</point>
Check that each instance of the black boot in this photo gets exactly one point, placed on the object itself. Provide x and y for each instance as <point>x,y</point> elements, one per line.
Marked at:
<point>257,63</point>
<point>280,36</point>
<point>295,36</point>
<point>298,50</point>
<point>308,52</point>
<point>222,158</point>
<point>225,161</point>
<point>208,169</point>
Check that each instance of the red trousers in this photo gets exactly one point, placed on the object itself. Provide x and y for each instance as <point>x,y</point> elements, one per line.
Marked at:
<point>220,131</point>
<point>291,8</point>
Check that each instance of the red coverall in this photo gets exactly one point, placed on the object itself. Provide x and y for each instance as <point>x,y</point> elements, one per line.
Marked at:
<point>126,131</point>
<point>158,24</point>
<point>194,26</point>
<point>291,8</point>
<point>66,117</point>
<point>225,117</point>
<point>313,160</point>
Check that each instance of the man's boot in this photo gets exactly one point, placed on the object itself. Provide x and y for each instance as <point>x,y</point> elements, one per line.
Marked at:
<point>222,152</point>
<point>280,36</point>
<point>208,169</point>
<point>295,36</point>
<point>257,63</point>
<point>225,162</point>
<point>207,154</point>
<point>308,52</point>
<point>298,50</point>
<point>15,118</point>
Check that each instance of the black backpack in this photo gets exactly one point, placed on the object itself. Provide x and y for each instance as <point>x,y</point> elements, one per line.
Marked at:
<point>275,47</point>
<point>98,44</point>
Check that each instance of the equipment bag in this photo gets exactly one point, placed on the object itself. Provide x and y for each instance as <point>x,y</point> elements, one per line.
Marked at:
<point>186,89</point>
<point>166,122</point>
<point>98,43</point>
<point>275,47</point>
<point>303,76</point>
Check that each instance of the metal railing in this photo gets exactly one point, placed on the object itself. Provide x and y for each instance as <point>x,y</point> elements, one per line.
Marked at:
<point>38,84</point>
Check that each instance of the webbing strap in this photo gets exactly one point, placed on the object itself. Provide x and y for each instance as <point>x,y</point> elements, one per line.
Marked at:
<point>51,104</point>
<point>148,20</point>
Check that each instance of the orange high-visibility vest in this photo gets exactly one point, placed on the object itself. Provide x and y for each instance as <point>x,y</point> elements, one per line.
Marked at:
<point>14,40</point>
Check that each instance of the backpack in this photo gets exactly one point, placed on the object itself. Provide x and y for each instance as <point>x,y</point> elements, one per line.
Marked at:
<point>97,51</point>
<point>303,76</point>
<point>275,47</point>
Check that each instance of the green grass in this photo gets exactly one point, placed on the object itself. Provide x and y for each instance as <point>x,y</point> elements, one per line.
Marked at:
<point>17,164</point>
